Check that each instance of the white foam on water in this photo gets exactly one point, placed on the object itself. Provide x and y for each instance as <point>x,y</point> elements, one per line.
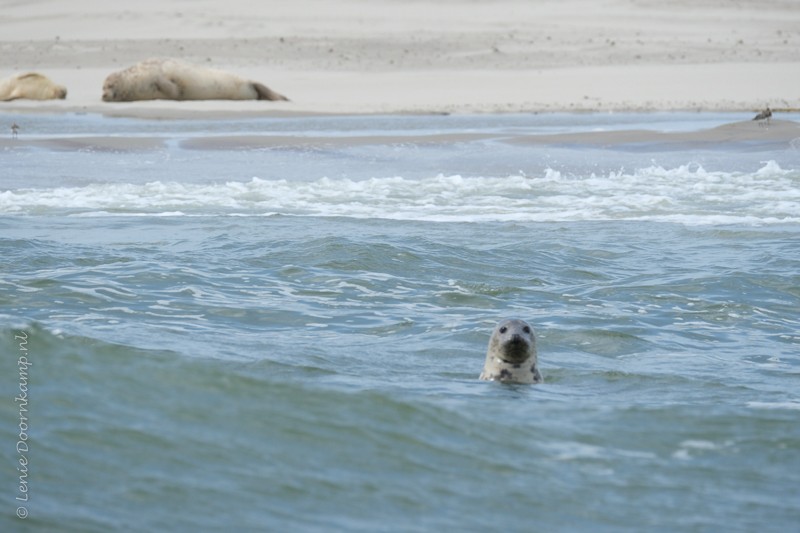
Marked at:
<point>789,405</point>
<point>686,194</point>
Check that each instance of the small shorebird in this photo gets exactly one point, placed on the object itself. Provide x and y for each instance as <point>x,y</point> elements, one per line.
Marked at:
<point>14,130</point>
<point>763,116</point>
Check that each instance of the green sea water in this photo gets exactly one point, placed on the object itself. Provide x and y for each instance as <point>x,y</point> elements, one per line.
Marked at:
<point>290,339</point>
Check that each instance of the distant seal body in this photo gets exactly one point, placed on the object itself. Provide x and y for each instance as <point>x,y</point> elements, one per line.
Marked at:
<point>511,356</point>
<point>30,86</point>
<point>171,79</point>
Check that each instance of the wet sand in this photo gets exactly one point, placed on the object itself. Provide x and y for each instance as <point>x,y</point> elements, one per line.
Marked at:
<point>739,135</point>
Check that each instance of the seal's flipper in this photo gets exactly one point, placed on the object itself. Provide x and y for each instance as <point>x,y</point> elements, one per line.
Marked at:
<point>265,93</point>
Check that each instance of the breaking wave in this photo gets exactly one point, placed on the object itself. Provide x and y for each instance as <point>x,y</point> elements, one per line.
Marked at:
<point>687,194</point>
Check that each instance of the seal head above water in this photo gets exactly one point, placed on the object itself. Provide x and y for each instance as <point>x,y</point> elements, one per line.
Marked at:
<point>511,356</point>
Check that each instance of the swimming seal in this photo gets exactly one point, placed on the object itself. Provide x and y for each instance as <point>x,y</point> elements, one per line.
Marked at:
<point>511,356</point>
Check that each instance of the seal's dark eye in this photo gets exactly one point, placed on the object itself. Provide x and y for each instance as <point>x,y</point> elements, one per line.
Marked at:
<point>503,329</point>
<point>526,329</point>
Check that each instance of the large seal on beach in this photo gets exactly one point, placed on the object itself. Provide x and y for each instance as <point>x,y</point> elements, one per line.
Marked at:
<point>511,356</point>
<point>30,86</point>
<point>170,79</point>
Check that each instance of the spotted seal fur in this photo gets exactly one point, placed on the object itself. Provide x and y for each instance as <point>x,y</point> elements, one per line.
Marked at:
<point>172,79</point>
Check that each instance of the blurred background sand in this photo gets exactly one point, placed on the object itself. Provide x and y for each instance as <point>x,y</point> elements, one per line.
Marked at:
<point>390,56</point>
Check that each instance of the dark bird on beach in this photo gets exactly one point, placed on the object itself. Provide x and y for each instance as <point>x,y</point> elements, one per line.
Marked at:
<point>14,130</point>
<point>764,115</point>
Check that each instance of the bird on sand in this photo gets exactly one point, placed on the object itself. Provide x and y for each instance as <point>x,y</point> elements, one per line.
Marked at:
<point>764,116</point>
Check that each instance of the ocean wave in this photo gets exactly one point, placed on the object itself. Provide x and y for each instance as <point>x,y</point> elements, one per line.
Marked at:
<point>686,194</point>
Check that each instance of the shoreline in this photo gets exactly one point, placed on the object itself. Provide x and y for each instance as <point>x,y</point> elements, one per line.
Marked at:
<point>746,135</point>
<point>153,111</point>
<point>352,57</point>
<point>641,88</point>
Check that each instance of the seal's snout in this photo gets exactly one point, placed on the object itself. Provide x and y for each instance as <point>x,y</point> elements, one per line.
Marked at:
<point>516,348</point>
<point>516,338</point>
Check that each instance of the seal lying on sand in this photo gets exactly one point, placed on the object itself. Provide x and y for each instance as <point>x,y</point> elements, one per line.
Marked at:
<point>511,356</point>
<point>30,86</point>
<point>170,79</point>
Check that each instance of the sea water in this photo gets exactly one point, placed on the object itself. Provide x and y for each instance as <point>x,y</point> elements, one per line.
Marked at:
<point>287,337</point>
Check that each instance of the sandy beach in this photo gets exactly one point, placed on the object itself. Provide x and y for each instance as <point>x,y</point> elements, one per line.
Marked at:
<point>455,56</point>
